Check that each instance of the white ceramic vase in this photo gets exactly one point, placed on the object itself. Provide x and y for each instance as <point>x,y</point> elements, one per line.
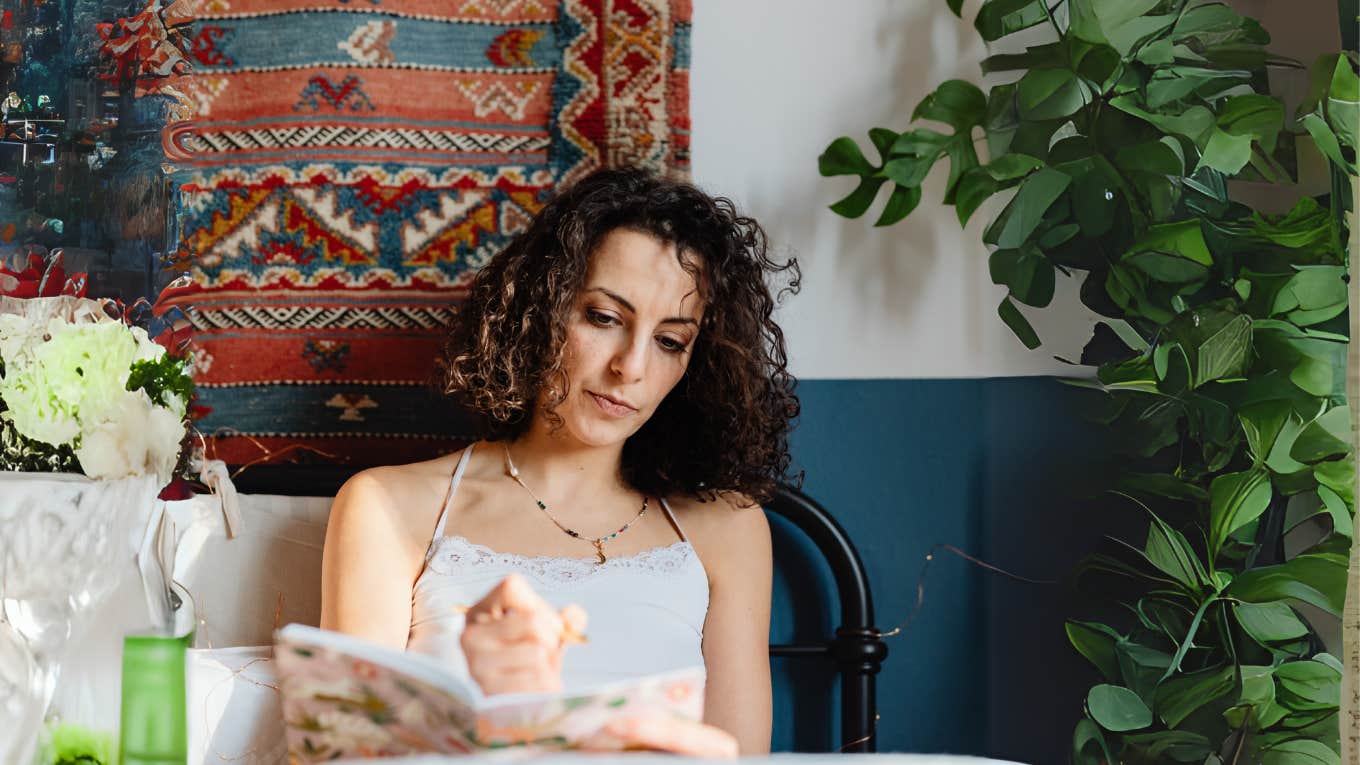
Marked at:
<point>66,542</point>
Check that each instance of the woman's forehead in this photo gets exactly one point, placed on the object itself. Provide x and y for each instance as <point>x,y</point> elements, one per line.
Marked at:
<point>642,268</point>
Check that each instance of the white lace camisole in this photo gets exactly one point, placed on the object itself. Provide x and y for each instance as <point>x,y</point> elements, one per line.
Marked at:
<point>646,611</point>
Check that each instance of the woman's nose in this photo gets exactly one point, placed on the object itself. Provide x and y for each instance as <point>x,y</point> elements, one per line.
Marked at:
<point>630,360</point>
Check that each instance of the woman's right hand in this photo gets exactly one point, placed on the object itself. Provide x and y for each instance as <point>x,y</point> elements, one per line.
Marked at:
<point>513,639</point>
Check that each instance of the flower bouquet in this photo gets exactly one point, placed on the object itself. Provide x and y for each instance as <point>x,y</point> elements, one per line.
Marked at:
<point>92,426</point>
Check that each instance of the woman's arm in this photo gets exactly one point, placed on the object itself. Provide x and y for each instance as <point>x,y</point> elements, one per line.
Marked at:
<point>736,553</point>
<point>372,557</point>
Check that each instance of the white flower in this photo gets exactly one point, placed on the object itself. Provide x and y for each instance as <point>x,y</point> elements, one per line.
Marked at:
<point>140,438</point>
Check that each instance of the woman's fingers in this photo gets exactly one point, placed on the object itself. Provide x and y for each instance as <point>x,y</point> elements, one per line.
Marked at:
<point>666,734</point>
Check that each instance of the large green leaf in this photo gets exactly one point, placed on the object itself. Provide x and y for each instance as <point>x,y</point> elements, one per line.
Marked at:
<point>1018,323</point>
<point>1046,94</point>
<point>1300,751</point>
<point>1308,686</point>
<point>1179,697</point>
<point>1269,622</point>
<point>957,103</point>
<point>1096,642</point>
<point>1027,272</point>
<point>858,201</point>
<point>1170,746</point>
<point>1195,123</point>
<point>1311,360</point>
<point>1259,117</point>
<point>1318,579</point>
<point>1235,499</point>
<point>1326,437</point>
<point>843,157</point>
<point>974,187</point>
<point>998,18</point>
<point>1022,215</point>
<point>1170,552</point>
<point>1312,296</point>
<point>1088,744</point>
<point>1225,152</point>
<point>1124,37</point>
<point>902,201</point>
<point>1117,708</point>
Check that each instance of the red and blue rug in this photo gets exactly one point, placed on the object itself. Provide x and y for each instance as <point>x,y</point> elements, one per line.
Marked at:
<point>348,165</point>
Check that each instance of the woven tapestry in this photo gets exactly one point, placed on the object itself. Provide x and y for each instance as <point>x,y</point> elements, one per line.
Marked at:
<point>347,168</point>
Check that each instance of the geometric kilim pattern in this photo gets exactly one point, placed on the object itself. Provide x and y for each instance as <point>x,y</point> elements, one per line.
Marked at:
<point>344,169</point>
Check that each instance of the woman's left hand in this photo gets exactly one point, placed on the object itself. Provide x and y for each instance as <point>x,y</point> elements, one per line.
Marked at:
<point>661,733</point>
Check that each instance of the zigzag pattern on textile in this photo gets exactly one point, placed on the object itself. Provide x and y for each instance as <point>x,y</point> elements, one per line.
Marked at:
<point>346,169</point>
<point>205,140</point>
<point>321,317</point>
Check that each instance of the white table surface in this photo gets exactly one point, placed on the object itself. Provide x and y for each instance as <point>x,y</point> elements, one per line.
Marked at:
<point>643,758</point>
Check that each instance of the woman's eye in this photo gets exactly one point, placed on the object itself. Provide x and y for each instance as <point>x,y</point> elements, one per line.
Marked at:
<point>671,345</point>
<point>602,319</point>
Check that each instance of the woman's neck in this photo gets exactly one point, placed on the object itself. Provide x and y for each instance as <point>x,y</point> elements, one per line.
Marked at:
<point>561,470</point>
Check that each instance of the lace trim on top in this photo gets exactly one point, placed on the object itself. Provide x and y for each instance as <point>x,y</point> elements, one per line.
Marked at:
<point>452,554</point>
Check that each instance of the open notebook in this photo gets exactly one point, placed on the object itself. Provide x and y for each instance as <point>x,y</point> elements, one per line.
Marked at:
<point>347,697</point>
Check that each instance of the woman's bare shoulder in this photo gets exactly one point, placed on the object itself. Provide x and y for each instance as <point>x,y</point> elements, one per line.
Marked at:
<point>730,532</point>
<point>410,494</point>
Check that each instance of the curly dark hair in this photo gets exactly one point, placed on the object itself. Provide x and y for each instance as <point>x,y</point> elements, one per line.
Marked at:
<point>724,427</point>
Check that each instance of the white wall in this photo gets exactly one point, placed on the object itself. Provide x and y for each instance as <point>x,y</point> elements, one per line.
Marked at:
<point>772,83</point>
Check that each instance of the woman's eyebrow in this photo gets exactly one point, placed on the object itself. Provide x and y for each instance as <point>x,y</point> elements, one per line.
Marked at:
<point>629,306</point>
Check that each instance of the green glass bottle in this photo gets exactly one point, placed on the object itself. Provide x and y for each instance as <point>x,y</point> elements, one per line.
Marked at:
<point>153,729</point>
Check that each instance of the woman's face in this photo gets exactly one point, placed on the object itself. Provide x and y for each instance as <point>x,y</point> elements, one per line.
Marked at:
<point>629,337</point>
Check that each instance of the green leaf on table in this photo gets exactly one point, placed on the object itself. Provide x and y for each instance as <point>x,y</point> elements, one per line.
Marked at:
<point>1307,685</point>
<point>1026,209</point>
<point>1269,622</point>
<point>1318,579</point>
<point>1117,708</point>
<point>1096,642</point>
<point>1235,499</point>
<point>1018,323</point>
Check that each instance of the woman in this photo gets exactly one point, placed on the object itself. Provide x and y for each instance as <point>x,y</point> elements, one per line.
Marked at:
<point>635,405</point>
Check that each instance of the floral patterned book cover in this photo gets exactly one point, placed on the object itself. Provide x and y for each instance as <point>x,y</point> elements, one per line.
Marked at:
<point>344,697</point>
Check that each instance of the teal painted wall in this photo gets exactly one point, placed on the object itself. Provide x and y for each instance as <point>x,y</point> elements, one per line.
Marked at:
<point>1001,468</point>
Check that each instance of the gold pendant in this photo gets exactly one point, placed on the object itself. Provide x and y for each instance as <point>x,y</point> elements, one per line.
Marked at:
<point>599,550</point>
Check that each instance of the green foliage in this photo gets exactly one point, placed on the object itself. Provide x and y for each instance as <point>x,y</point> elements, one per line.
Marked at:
<point>1220,356</point>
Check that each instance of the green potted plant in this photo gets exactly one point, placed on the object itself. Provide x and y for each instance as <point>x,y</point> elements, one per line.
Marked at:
<point>1221,350</point>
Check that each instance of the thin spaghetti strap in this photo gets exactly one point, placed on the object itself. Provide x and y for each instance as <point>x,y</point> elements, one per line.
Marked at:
<point>666,506</point>
<point>453,487</point>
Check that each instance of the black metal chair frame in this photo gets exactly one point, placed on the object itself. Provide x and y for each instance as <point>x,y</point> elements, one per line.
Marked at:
<point>855,646</point>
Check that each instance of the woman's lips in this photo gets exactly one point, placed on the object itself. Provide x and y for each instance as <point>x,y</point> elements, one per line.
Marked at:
<point>610,407</point>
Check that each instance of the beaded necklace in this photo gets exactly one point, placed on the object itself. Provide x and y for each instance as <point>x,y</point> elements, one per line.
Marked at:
<point>598,542</point>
